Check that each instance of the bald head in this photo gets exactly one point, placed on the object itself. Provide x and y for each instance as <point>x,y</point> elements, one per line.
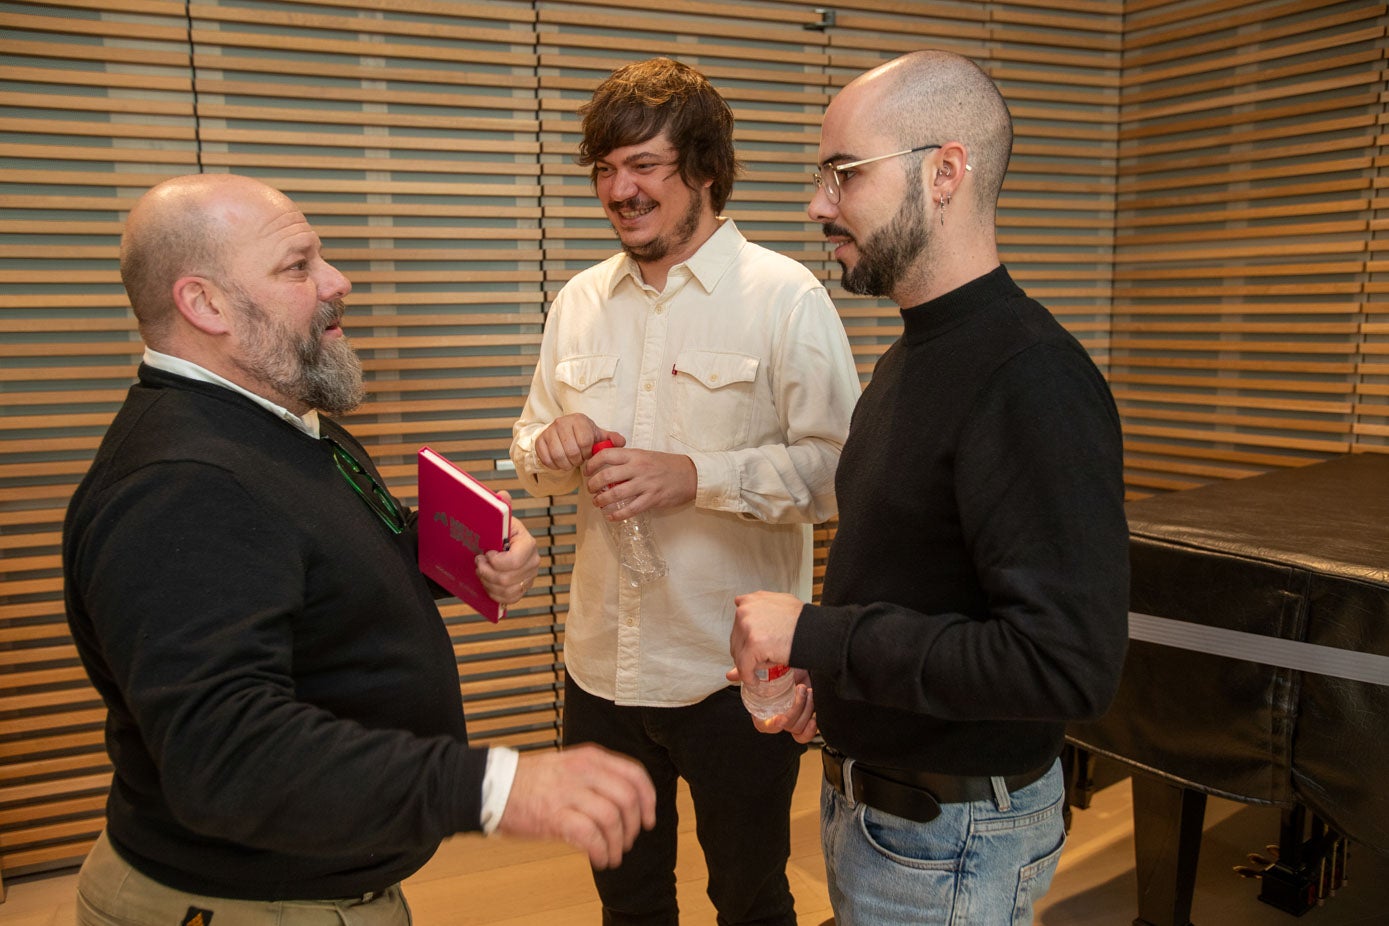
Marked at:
<point>935,97</point>
<point>184,226</point>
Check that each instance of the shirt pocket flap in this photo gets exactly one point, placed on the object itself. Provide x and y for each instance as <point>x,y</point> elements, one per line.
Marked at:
<point>582,372</point>
<point>716,369</point>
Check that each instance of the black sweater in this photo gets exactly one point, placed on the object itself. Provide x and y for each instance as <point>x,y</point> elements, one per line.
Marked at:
<point>976,595</point>
<point>283,706</point>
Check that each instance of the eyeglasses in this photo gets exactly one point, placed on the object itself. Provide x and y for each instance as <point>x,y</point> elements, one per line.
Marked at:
<point>833,181</point>
<point>365,485</point>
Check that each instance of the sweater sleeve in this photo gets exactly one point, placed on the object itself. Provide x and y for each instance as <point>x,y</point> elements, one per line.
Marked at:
<point>195,591</point>
<point>1039,489</point>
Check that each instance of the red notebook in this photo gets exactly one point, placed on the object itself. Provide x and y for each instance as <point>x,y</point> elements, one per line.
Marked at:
<point>459,518</point>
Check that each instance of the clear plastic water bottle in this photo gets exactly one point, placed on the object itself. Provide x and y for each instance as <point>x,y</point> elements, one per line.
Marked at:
<point>769,692</point>
<point>636,546</point>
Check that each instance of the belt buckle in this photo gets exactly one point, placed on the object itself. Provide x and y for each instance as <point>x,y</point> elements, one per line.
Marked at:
<point>838,770</point>
<point>911,802</point>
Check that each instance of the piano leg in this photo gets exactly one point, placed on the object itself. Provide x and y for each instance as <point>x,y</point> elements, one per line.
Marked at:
<point>1167,822</point>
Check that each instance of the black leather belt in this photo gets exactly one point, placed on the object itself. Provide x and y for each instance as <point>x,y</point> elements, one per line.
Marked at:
<point>913,795</point>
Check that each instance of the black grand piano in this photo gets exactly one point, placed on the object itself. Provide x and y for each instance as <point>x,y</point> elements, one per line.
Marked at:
<point>1258,670</point>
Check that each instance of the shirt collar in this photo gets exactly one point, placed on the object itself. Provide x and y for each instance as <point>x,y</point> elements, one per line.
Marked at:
<point>190,370</point>
<point>706,265</point>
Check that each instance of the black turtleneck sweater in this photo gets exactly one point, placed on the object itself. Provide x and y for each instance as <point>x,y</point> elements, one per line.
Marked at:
<point>976,596</point>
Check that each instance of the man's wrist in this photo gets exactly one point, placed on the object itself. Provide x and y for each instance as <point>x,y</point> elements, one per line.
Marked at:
<point>496,785</point>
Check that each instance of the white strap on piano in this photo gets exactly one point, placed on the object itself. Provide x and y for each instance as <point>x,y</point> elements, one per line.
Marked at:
<point>1255,647</point>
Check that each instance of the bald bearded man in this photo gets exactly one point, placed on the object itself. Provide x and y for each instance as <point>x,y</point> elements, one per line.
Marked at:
<point>283,710</point>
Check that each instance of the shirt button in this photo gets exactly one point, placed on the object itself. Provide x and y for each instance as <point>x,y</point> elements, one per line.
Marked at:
<point>630,622</point>
<point>660,309</point>
<point>713,377</point>
<point>648,386</point>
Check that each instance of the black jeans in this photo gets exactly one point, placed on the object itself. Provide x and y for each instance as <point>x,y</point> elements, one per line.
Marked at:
<point>740,781</point>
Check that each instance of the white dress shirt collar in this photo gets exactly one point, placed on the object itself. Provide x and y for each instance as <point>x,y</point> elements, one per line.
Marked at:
<point>308,423</point>
<point>706,265</point>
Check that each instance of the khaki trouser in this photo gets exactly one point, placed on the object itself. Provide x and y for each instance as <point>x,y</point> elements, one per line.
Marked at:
<point>112,893</point>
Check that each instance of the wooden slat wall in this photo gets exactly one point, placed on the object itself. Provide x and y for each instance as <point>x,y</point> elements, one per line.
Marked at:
<point>1209,170</point>
<point>1371,423</point>
<point>1248,333</point>
<point>95,108</point>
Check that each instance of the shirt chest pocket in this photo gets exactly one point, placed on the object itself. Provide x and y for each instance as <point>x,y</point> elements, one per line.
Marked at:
<point>712,399</point>
<point>587,384</point>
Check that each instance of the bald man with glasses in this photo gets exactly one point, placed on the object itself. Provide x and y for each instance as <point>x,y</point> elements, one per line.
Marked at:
<point>975,598</point>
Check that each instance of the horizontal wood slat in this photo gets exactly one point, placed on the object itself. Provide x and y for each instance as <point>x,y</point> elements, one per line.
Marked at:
<point>1239,275</point>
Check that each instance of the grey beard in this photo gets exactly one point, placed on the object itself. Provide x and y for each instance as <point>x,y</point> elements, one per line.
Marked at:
<point>326,377</point>
<point>331,381</point>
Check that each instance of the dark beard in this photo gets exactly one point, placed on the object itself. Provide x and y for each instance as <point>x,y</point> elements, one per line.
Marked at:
<point>660,246</point>
<point>327,377</point>
<point>890,251</point>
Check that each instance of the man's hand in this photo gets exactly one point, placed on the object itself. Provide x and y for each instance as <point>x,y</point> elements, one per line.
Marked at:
<point>624,482</point>
<point>569,440</point>
<point>593,799</point>
<point>799,718</point>
<point>763,626</point>
<point>506,575</point>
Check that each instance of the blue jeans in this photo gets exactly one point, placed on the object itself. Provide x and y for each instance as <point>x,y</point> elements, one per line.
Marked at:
<point>978,864</point>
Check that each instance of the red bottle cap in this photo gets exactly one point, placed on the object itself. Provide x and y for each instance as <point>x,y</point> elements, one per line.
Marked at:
<point>603,444</point>
<point>774,672</point>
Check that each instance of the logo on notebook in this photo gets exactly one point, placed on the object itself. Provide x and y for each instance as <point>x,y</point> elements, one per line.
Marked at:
<point>196,917</point>
<point>460,532</point>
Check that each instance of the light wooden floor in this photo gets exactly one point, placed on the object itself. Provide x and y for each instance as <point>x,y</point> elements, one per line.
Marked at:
<point>497,882</point>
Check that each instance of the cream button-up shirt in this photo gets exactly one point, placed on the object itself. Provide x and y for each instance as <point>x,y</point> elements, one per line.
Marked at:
<point>741,363</point>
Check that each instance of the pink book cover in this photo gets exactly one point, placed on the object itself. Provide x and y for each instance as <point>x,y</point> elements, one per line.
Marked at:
<point>459,518</point>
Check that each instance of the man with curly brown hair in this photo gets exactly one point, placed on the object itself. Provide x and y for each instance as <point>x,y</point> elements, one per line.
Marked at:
<point>722,374</point>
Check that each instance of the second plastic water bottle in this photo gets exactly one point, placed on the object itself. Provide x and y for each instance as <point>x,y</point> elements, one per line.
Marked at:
<point>636,547</point>
<point>769,692</point>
